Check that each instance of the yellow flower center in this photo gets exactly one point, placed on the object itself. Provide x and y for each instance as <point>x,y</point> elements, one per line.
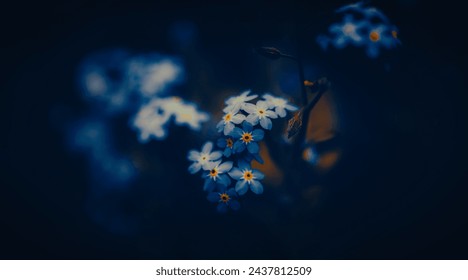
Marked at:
<point>394,34</point>
<point>227,118</point>
<point>246,137</point>
<point>213,173</point>
<point>374,36</point>
<point>229,142</point>
<point>248,176</point>
<point>224,197</point>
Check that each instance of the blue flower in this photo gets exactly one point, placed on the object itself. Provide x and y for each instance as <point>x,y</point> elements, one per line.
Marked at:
<point>237,103</point>
<point>201,159</point>
<point>229,120</point>
<point>225,199</point>
<point>260,113</point>
<point>247,178</point>
<point>347,32</point>
<point>381,35</point>
<point>246,138</point>
<point>216,174</point>
<point>226,143</point>
<point>279,104</point>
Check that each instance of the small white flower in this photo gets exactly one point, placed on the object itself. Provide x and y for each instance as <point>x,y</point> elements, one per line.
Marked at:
<point>279,104</point>
<point>153,117</point>
<point>229,120</point>
<point>203,158</point>
<point>260,113</point>
<point>237,103</point>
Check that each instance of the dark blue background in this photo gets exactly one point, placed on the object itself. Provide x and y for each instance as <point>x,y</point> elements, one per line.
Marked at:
<point>399,192</point>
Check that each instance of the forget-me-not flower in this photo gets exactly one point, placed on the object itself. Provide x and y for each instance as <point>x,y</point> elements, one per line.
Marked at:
<point>381,35</point>
<point>238,102</point>
<point>247,178</point>
<point>347,32</point>
<point>247,137</point>
<point>260,113</point>
<point>202,158</point>
<point>216,173</point>
<point>279,104</point>
<point>226,143</point>
<point>225,199</point>
<point>230,119</point>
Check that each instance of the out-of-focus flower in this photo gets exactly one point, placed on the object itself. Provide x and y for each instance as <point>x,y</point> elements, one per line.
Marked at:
<point>372,32</point>
<point>151,75</point>
<point>260,113</point>
<point>229,120</point>
<point>216,174</point>
<point>226,143</point>
<point>101,80</point>
<point>280,105</point>
<point>381,35</point>
<point>237,103</point>
<point>225,199</point>
<point>152,119</point>
<point>202,158</point>
<point>247,137</point>
<point>342,34</point>
<point>247,178</point>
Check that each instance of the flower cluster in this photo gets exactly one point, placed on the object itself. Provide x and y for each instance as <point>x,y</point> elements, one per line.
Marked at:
<point>153,118</point>
<point>228,173</point>
<point>361,26</point>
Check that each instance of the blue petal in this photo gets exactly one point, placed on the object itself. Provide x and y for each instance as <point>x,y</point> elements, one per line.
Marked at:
<point>224,180</point>
<point>247,127</point>
<point>258,134</point>
<point>257,174</point>
<point>239,146</point>
<point>241,187</point>
<point>213,197</point>
<point>258,158</point>
<point>227,152</point>
<point>222,208</point>
<point>234,205</point>
<point>256,187</point>
<point>231,192</point>
<point>209,185</point>
<point>235,173</point>
<point>236,133</point>
<point>243,165</point>
<point>253,147</point>
<point>221,142</point>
